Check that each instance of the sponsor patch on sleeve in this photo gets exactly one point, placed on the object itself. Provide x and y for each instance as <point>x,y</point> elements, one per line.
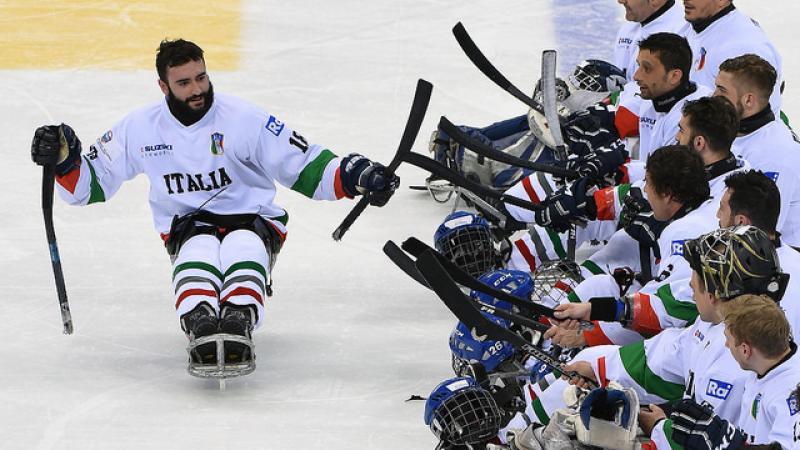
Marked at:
<point>274,126</point>
<point>772,176</point>
<point>677,247</point>
<point>792,401</point>
<point>718,389</point>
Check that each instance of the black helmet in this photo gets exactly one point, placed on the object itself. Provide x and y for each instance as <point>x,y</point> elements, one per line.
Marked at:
<point>737,260</point>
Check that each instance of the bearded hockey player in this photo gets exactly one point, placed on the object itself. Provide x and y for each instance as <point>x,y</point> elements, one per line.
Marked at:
<point>212,161</point>
<point>766,143</point>
<point>717,31</point>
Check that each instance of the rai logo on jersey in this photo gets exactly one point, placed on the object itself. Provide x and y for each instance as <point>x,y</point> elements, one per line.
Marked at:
<point>217,144</point>
<point>677,247</point>
<point>718,389</point>
<point>274,126</point>
<point>772,176</point>
<point>794,405</point>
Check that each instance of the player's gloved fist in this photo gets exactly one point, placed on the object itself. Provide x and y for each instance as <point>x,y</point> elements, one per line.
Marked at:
<point>361,176</point>
<point>572,203</point>
<point>601,162</point>
<point>56,145</point>
<point>589,130</point>
<point>646,230</point>
<point>697,427</point>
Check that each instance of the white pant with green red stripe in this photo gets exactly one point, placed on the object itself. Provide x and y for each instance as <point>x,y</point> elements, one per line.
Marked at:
<point>234,270</point>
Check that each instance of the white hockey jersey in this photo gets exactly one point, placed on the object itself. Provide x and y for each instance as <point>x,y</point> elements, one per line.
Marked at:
<point>234,154</point>
<point>629,35</point>
<point>770,405</point>
<point>732,35</point>
<point>659,129</point>
<point>773,150</point>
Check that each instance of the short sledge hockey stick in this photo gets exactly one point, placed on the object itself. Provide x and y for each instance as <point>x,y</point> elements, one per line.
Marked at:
<point>419,106</point>
<point>408,266</point>
<point>458,135</point>
<point>484,65</point>
<point>415,248</point>
<point>481,327</point>
<point>48,184</point>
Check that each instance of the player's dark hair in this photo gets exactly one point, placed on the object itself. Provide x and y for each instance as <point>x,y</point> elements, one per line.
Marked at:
<point>753,71</point>
<point>756,196</point>
<point>678,171</point>
<point>176,53</point>
<point>715,119</point>
<point>672,51</point>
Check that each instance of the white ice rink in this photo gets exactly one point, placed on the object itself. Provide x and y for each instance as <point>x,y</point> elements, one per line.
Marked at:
<point>347,337</point>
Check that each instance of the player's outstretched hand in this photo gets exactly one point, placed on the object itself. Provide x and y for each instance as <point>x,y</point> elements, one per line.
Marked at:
<point>566,335</point>
<point>649,416</point>
<point>56,145</point>
<point>580,311</point>
<point>697,427</point>
<point>361,176</point>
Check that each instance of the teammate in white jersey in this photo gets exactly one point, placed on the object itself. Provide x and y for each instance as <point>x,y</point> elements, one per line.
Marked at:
<point>717,31</point>
<point>758,336</point>
<point>766,143</point>
<point>213,161</point>
<point>644,17</point>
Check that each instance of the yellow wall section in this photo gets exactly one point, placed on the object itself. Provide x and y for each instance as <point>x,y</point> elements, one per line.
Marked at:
<point>119,35</point>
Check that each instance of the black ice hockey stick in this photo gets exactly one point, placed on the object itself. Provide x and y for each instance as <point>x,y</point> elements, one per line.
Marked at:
<point>419,106</point>
<point>48,184</point>
<point>484,65</point>
<point>481,327</point>
<point>407,265</point>
<point>458,135</point>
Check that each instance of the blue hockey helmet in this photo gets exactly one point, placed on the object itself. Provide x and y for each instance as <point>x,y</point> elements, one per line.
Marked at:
<point>460,412</point>
<point>515,282</point>
<point>468,348</point>
<point>465,239</point>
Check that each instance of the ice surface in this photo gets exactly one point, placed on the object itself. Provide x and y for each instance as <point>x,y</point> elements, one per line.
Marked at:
<point>347,336</point>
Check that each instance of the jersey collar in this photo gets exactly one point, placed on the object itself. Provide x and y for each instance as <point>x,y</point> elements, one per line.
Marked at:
<point>756,121</point>
<point>660,12</point>
<point>702,24</point>
<point>667,101</point>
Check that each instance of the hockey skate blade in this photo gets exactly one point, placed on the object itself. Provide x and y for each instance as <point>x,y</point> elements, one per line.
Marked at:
<point>221,369</point>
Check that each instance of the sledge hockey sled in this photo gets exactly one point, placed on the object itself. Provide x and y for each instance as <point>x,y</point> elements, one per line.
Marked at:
<point>220,370</point>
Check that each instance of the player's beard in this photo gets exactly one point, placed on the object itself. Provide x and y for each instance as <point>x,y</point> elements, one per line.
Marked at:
<point>185,113</point>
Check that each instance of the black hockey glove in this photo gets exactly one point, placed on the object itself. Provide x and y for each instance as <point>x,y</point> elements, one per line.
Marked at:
<point>590,129</point>
<point>56,145</point>
<point>696,427</point>
<point>572,203</point>
<point>361,176</point>
<point>601,163</point>
<point>646,230</point>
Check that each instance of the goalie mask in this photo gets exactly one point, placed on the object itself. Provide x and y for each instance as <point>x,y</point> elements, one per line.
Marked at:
<point>466,240</point>
<point>460,412</point>
<point>737,260</point>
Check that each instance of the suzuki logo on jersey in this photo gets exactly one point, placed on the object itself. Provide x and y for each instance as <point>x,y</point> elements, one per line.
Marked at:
<point>647,121</point>
<point>274,126</point>
<point>217,141</point>
<point>772,176</point>
<point>677,248</point>
<point>718,389</point>
<point>178,183</point>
